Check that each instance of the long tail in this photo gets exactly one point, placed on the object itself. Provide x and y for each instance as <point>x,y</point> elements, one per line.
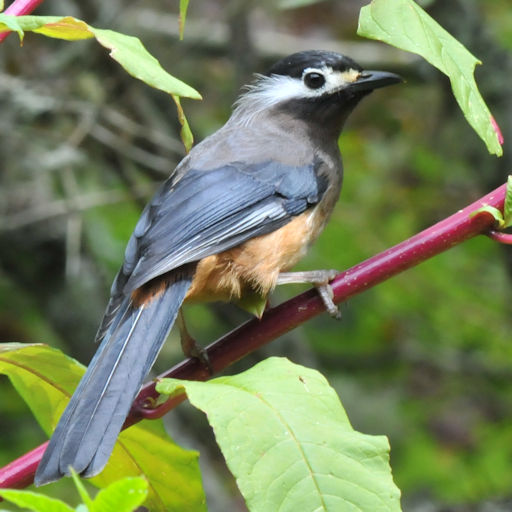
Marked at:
<point>88,428</point>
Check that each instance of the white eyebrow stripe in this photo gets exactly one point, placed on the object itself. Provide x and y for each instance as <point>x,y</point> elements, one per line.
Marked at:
<point>316,70</point>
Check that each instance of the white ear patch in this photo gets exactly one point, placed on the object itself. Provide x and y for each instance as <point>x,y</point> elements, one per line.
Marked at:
<point>268,91</point>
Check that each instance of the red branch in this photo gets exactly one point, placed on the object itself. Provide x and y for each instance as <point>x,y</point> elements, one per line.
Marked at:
<point>288,315</point>
<point>19,8</point>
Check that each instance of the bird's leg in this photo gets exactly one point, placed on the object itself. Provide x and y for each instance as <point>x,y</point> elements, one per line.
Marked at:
<point>320,279</point>
<point>189,345</point>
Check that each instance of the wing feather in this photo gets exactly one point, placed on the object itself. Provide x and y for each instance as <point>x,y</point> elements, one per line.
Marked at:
<point>209,211</point>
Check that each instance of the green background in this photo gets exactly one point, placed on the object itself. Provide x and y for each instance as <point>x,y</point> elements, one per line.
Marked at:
<point>425,358</point>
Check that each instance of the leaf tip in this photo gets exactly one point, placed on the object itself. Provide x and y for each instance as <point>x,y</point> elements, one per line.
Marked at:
<point>497,130</point>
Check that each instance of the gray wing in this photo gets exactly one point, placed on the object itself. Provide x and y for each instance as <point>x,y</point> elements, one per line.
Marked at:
<point>207,212</point>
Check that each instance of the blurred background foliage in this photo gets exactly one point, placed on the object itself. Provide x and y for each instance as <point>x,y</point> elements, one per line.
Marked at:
<point>425,358</point>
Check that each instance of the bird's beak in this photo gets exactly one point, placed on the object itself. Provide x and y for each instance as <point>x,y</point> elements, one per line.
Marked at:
<point>369,80</point>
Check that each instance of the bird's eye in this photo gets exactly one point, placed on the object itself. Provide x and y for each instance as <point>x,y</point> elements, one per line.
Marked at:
<point>314,80</point>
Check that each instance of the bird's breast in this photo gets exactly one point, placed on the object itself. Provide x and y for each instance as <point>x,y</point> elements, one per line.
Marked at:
<point>256,264</point>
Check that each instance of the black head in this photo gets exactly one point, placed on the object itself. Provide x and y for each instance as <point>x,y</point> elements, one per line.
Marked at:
<point>295,64</point>
<point>318,86</point>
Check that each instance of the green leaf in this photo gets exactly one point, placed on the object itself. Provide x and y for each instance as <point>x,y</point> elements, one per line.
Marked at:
<point>253,303</point>
<point>494,212</point>
<point>289,443</point>
<point>60,27</point>
<point>43,376</point>
<point>34,501</point>
<point>503,219</point>
<point>46,378</point>
<point>186,134</point>
<point>402,23</point>
<point>137,61</point>
<point>128,51</point>
<point>507,210</point>
<point>146,449</point>
<point>183,16</point>
<point>124,495</point>
<point>11,24</point>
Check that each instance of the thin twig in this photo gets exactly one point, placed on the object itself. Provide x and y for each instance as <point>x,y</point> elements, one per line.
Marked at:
<point>156,137</point>
<point>66,206</point>
<point>139,155</point>
<point>498,236</point>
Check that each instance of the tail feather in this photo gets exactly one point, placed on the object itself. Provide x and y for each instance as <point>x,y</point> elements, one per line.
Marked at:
<point>88,429</point>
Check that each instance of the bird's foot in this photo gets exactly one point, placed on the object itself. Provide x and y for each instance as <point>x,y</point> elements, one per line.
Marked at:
<point>190,347</point>
<point>320,279</point>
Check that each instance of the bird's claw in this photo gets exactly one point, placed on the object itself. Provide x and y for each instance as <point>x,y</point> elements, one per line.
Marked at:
<point>327,295</point>
<point>201,354</point>
<point>320,279</point>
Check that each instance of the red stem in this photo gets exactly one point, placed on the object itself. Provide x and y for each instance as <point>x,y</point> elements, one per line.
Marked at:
<point>20,472</point>
<point>502,238</point>
<point>288,315</point>
<point>19,8</point>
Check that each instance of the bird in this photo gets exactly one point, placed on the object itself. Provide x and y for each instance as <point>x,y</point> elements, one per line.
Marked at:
<point>236,214</point>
